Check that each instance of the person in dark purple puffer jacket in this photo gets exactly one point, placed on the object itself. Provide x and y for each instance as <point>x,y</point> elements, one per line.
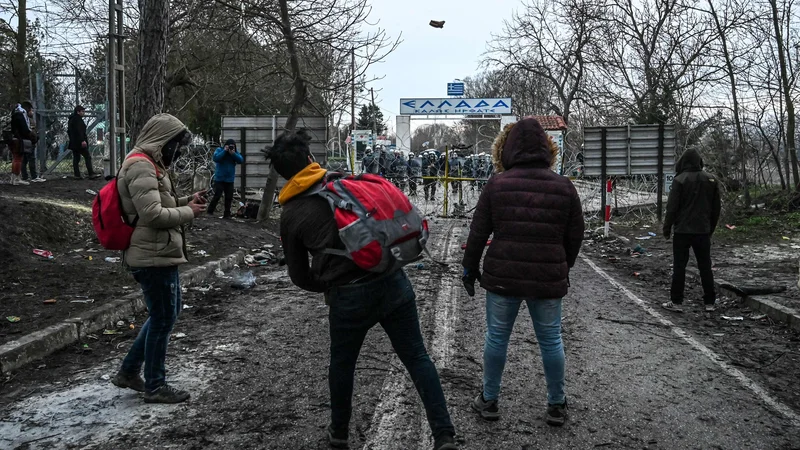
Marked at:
<point>537,222</point>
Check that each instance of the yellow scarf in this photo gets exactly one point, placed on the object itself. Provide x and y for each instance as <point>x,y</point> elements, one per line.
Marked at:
<point>301,182</point>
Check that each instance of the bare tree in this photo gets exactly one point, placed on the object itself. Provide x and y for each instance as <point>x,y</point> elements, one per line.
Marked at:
<point>317,37</point>
<point>151,68</point>
<point>549,39</point>
<point>732,15</point>
<point>787,84</point>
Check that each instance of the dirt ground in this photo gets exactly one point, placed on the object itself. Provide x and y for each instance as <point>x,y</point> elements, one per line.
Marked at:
<point>256,364</point>
<point>56,216</point>
<point>766,350</point>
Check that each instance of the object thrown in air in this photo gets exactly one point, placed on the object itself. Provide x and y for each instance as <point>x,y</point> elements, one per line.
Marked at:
<point>437,23</point>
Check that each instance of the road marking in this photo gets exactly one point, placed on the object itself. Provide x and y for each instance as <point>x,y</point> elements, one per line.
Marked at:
<point>774,403</point>
<point>390,409</point>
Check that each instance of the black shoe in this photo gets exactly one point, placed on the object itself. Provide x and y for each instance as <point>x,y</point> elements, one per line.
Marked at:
<point>337,438</point>
<point>78,177</point>
<point>445,442</point>
<point>487,410</point>
<point>166,394</point>
<point>557,414</point>
<point>128,381</point>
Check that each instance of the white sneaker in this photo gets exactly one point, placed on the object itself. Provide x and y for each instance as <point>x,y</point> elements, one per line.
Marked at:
<point>669,306</point>
<point>16,180</point>
<point>38,180</point>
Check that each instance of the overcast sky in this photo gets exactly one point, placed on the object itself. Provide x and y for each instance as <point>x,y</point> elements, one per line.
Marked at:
<point>429,57</point>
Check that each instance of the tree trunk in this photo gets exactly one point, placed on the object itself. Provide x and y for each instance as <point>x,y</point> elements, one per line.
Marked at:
<point>151,70</point>
<point>20,66</point>
<point>298,100</point>
<point>736,119</point>
<point>787,93</point>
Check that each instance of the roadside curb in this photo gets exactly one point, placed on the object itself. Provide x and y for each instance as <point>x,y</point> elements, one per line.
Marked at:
<point>36,345</point>
<point>773,310</point>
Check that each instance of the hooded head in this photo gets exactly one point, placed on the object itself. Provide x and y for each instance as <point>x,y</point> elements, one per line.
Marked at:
<point>524,143</point>
<point>230,143</point>
<point>162,137</point>
<point>690,161</point>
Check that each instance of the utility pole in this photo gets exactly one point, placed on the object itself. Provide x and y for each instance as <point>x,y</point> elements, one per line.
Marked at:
<point>353,91</point>
<point>77,84</point>
<point>115,86</point>
<point>20,77</point>
<point>373,115</point>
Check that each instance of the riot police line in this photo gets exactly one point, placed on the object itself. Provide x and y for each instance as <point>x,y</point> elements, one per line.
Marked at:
<point>460,174</point>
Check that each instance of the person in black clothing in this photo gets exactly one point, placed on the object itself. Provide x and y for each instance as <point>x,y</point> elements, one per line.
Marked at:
<point>358,299</point>
<point>693,211</point>
<point>79,142</point>
<point>430,168</point>
<point>23,143</point>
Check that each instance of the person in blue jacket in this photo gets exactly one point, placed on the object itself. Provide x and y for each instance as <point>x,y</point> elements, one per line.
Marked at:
<point>227,158</point>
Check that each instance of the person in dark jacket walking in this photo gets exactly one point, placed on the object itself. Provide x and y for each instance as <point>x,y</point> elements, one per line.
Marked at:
<point>693,212</point>
<point>537,222</point>
<point>358,299</point>
<point>227,158</point>
<point>79,143</point>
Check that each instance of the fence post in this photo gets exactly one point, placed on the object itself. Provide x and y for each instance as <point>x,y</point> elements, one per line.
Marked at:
<point>660,189</point>
<point>607,224</point>
<point>446,179</point>
<point>603,169</point>
<point>243,136</point>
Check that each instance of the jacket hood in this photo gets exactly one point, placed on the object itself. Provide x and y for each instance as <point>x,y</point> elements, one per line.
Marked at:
<point>301,182</point>
<point>156,133</point>
<point>690,161</point>
<point>524,143</point>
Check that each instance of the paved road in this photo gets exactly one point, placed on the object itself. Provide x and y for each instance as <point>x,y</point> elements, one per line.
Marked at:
<point>257,364</point>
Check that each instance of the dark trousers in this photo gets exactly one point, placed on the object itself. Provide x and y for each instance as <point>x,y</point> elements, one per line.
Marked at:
<point>76,162</point>
<point>701,245</point>
<point>412,186</point>
<point>162,293</point>
<point>29,163</point>
<point>429,184</point>
<point>221,187</point>
<point>354,310</point>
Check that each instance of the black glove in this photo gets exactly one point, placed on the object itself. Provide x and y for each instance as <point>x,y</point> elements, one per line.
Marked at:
<point>468,279</point>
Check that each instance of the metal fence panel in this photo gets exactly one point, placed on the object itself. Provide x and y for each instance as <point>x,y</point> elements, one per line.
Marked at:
<point>630,150</point>
<point>255,133</point>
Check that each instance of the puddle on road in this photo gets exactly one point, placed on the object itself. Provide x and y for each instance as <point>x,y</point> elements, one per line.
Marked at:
<point>94,411</point>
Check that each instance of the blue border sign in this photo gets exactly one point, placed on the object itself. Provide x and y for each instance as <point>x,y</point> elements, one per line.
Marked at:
<point>441,106</point>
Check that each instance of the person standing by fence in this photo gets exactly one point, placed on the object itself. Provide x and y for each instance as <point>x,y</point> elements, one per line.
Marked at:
<point>227,158</point>
<point>79,143</point>
<point>23,140</point>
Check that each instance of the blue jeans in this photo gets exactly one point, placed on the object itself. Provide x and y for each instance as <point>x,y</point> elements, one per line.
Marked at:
<point>354,310</point>
<point>162,293</point>
<point>501,313</point>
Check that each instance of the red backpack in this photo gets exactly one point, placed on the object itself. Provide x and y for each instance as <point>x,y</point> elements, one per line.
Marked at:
<point>110,222</point>
<point>380,228</point>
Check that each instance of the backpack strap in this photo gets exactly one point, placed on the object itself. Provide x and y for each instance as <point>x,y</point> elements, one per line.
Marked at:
<point>144,156</point>
<point>141,155</point>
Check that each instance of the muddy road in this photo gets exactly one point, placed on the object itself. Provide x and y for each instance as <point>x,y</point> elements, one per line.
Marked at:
<point>256,363</point>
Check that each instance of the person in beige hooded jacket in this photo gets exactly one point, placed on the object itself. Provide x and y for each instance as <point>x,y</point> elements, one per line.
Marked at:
<point>157,249</point>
